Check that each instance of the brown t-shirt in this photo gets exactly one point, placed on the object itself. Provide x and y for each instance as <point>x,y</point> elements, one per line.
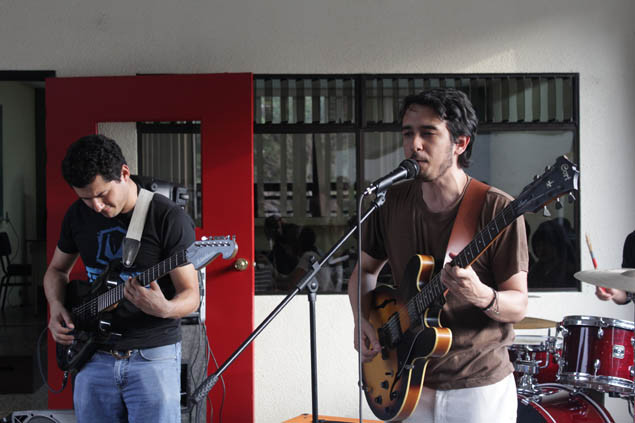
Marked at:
<point>404,226</point>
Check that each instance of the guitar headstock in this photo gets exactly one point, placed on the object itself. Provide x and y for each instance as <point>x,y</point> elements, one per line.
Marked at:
<point>559,179</point>
<point>200,253</point>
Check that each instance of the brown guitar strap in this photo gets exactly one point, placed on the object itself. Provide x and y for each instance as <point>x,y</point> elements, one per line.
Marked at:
<point>467,217</point>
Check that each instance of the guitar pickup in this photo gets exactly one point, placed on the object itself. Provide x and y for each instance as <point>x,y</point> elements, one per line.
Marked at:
<point>104,326</point>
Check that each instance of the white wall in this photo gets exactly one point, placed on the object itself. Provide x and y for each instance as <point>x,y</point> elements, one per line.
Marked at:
<point>87,37</point>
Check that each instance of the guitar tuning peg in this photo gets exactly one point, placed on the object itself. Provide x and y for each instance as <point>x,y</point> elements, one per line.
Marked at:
<point>536,177</point>
<point>546,212</point>
<point>547,168</point>
<point>571,197</point>
<point>558,204</point>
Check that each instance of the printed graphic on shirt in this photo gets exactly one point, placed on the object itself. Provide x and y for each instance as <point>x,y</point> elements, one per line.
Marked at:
<point>109,248</point>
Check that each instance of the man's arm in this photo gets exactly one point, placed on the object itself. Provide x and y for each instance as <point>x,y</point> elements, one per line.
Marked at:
<point>369,271</point>
<point>511,300</point>
<point>152,301</point>
<point>55,281</point>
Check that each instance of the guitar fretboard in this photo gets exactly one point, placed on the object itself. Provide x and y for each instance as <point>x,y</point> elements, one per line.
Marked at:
<point>96,305</point>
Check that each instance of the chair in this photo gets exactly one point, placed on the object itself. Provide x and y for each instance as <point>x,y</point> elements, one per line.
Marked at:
<point>10,270</point>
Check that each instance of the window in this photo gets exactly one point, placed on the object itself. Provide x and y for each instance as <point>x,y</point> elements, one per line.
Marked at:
<point>170,156</point>
<point>319,138</point>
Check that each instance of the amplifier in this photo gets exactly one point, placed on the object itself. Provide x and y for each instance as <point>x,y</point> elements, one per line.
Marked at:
<point>198,316</point>
<point>43,416</point>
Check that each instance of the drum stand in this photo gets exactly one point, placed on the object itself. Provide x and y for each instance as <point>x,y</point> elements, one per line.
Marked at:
<point>528,367</point>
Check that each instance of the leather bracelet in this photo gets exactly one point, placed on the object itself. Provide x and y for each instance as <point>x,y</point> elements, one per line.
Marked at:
<point>492,303</point>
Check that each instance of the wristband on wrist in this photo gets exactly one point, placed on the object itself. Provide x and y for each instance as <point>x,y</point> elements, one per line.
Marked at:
<point>493,305</point>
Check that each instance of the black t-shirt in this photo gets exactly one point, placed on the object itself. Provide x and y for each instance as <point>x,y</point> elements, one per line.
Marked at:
<point>628,255</point>
<point>98,240</point>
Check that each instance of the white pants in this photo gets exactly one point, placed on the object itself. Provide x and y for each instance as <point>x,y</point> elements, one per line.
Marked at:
<point>484,404</point>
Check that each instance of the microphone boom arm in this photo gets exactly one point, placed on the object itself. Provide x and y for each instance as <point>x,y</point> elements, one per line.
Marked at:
<point>203,389</point>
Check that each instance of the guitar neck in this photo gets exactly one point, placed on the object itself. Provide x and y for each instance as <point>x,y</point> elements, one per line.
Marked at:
<point>483,239</point>
<point>163,268</point>
<point>113,296</point>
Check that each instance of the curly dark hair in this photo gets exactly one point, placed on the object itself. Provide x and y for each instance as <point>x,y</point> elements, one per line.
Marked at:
<point>455,108</point>
<point>90,156</point>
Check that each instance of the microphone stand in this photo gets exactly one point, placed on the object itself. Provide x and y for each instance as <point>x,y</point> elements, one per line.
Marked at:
<point>204,388</point>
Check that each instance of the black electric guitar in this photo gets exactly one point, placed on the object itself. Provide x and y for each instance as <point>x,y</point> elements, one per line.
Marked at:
<point>90,303</point>
<point>406,320</point>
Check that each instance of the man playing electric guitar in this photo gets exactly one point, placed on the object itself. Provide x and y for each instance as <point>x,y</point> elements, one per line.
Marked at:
<point>471,380</point>
<point>136,375</point>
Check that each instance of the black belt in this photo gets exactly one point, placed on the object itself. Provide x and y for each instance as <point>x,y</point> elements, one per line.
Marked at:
<point>118,354</point>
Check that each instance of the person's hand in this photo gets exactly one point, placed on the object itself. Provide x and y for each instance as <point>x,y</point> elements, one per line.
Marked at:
<point>149,300</point>
<point>617,295</point>
<point>465,283</point>
<point>60,324</point>
<point>370,344</point>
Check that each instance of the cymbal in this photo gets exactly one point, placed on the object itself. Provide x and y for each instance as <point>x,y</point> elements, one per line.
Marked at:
<point>613,278</point>
<point>535,323</point>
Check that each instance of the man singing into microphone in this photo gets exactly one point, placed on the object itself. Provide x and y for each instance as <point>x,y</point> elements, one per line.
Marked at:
<point>473,381</point>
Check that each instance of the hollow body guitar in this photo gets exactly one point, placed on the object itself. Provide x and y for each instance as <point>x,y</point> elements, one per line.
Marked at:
<point>408,318</point>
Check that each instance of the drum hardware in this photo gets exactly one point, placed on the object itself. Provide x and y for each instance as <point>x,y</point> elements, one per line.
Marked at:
<point>618,351</point>
<point>535,360</point>
<point>600,333</point>
<point>563,330</point>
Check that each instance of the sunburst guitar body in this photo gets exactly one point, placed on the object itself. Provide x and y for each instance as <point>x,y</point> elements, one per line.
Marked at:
<point>394,378</point>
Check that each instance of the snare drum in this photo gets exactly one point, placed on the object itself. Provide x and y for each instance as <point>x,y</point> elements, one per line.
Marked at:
<point>597,353</point>
<point>540,352</point>
<point>554,403</point>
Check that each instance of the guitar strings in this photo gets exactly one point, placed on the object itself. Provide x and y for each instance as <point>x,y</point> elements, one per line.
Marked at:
<point>110,297</point>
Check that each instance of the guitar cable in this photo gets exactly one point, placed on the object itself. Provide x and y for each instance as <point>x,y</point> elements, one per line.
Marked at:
<point>195,410</point>
<point>39,365</point>
<point>210,353</point>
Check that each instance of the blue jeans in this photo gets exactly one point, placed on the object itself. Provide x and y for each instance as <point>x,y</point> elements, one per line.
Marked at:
<point>145,387</point>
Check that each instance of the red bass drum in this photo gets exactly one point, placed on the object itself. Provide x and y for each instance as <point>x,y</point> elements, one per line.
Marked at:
<point>555,403</point>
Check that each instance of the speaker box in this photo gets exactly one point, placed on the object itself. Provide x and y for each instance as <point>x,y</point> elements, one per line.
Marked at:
<point>193,369</point>
<point>43,416</point>
<point>198,316</point>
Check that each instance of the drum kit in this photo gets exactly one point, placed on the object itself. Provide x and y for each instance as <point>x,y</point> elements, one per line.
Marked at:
<point>563,378</point>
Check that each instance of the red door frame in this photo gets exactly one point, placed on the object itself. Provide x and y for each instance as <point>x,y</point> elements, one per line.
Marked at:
<point>223,105</point>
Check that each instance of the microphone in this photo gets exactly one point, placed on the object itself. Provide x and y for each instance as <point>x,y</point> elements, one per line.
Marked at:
<point>408,169</point>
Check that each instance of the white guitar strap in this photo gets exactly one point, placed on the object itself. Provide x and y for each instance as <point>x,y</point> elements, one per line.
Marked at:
<point>132,241</point>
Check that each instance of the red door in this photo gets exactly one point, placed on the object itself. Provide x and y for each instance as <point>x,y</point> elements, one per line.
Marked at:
<point>223,105</point>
